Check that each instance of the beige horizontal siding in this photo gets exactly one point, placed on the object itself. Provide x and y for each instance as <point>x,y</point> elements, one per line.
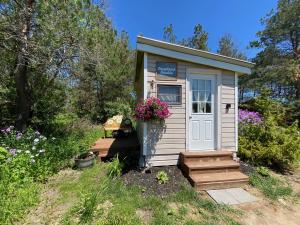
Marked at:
<point>228,116</point>
<point>171,140</point>
<point>166,141</point>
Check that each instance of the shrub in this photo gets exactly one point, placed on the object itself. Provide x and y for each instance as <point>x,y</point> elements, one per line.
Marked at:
<point>162,177</point>
<point>268,144</point>
<point>115,168</point>
<point>152,109</point>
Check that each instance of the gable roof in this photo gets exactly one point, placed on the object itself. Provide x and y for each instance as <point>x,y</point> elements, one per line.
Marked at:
<point>193,55</point>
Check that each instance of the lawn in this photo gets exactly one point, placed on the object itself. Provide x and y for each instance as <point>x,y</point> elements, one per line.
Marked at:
<point>90,196</point>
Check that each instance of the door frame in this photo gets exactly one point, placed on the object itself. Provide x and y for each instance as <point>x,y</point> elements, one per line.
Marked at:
<point>217,102</point>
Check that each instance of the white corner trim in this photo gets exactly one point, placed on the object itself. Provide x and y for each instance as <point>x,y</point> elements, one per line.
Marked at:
<point>236,107</point>
<point>145,133</point>
<point>219,117</point>
<point>187,109</point>
<point>192,58</point>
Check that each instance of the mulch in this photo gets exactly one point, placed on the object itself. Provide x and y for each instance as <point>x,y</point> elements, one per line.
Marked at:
<point>149,184</point>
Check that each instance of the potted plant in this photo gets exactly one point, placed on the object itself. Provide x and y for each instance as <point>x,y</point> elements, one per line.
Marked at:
<point>84,160</point>
<point>152,109</point>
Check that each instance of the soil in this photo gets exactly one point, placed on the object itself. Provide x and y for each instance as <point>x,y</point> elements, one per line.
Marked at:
<point>149,184</point>
<point>266,212</point>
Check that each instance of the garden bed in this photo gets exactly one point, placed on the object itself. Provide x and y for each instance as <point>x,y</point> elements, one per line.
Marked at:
<point>149,184</point>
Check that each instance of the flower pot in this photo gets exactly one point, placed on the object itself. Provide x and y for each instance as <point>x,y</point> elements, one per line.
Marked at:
<point>84,160</point>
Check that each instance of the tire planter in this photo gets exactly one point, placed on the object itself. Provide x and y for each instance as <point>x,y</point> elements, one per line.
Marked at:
<point>84,160</point>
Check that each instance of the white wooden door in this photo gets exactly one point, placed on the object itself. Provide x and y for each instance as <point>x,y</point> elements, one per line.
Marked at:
<point>201,110</point>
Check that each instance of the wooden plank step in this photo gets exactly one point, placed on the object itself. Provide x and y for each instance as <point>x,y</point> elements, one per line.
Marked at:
<point>218,177</point>
<point>220,185</point>
<point>205,154</point>
<point>212,165</point>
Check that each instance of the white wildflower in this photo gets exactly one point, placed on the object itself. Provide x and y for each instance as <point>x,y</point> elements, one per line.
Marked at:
<point>27,152</point>
<point>42,151</point>
<point>33,148</point>
<point>36,140</point>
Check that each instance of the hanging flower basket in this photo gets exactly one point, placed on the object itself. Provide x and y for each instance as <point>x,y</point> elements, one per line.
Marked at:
<point>152,109</point>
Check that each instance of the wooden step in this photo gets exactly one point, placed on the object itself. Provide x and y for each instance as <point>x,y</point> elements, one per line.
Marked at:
<point>205,156</point>
<point>211,166</point>
<point>218,180</point>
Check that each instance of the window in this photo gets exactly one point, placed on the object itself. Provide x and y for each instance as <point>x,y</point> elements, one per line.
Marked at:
<point>201,96</point>
<point>170,94</point>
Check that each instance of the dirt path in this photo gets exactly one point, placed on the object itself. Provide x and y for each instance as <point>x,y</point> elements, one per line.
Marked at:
<point>266,212</point>
<point>51,208</point>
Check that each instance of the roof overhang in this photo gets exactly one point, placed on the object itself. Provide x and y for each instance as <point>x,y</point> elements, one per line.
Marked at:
<point>193,55</point>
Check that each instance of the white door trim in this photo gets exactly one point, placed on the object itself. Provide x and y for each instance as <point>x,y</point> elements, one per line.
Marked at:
<point>205,73</point>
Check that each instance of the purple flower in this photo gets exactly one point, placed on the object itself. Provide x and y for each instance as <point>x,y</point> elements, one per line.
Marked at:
<point>13,151</point>
<point>246,116</point>
<point>19,135</point>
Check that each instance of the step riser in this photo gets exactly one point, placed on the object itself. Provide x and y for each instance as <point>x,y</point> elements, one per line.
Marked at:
<point>207,186</point>
<point>216,170</point>
<point>206,159</point>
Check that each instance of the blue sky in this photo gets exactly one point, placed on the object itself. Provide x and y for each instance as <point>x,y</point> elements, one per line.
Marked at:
<point>240,18</point>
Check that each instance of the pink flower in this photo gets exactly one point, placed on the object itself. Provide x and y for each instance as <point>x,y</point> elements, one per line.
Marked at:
<point>152,109</point>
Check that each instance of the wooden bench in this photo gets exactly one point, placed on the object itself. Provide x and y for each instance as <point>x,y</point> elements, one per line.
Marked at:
<point>117,123</point>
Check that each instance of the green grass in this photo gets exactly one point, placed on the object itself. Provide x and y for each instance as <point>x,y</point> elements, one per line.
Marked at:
<point>105,201</point>
<point>272,187</point>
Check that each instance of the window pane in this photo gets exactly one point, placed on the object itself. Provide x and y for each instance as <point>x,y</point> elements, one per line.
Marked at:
<point>194,85</point>
<point>201,85</point>
<point>208,85</point>
<point>202,107</point>
<point>207,96</point>
<point>169,93</point>
<point>201,96</point>
<point>195,107</point>
<point>208,107</point>
<point>195,96</point>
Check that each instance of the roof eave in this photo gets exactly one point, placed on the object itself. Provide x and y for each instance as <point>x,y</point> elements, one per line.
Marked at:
<point>193,55</point>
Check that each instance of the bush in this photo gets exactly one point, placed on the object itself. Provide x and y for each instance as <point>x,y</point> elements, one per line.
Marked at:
<point>268,144</point>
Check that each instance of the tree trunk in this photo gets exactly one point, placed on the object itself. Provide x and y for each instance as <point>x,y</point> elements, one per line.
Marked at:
<point>21,71</point>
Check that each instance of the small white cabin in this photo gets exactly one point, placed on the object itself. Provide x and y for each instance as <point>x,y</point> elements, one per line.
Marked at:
<point>201,89</point>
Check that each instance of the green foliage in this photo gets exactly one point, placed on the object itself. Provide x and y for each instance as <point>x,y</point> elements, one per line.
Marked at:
<point>28,157</point>
<point>272,187</point>
<point>271,145</point>
<point>162,177</point>
<point>118,204</point>
<point>228,48</point>
<point>277,65</point>
<point>117,108</point>
<point>198,40</point>
<point>73,61</point>
<point>263,171</point>
<point>88,204</point>
<point>115,168</point>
